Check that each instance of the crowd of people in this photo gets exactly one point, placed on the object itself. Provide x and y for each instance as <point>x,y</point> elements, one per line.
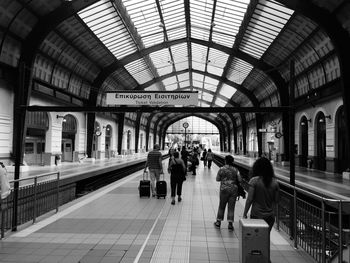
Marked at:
<point>263,188</point>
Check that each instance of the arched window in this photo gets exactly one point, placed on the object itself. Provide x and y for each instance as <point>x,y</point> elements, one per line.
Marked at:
<point>252,143</point>
<point>342,150</point>
<point>69,129</point>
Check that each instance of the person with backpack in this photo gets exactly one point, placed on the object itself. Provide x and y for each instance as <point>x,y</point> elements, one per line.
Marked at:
<point>228,176</point>
<point>177,170</point>
<point>194,163</point>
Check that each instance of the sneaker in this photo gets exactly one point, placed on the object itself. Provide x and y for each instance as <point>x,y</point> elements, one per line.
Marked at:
<point>217,224</point>
<point>173,202</point>
<point>179,199</point>
<point>230,226</point>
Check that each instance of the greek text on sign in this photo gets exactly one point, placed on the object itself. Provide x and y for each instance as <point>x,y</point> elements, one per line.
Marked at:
<point>155,98</point>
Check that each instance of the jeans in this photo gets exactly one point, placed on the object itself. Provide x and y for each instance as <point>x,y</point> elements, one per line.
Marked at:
<point>229,199</point>
<point>209,163</point>
<point>176,185</point>
<point>154,175</point>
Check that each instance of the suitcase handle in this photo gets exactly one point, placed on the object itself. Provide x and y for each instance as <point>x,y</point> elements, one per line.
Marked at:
<point>143,175</point>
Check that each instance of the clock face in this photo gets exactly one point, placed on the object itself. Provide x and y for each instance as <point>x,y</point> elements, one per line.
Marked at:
<point>185,125</point>
<point>98,133</point>
<point>278,135</point>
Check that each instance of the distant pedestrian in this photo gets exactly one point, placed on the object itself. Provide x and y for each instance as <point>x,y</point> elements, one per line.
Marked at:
<point>209,157</point>
<point>155,166</point>
<point>194,162</point>
<point>263,193</point>
<point>228,177</point>
<point>204,159</point>
<point>184,155</point>
<point>177,172</point>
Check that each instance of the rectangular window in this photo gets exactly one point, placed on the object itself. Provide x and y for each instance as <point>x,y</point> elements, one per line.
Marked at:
<point>29,148</point>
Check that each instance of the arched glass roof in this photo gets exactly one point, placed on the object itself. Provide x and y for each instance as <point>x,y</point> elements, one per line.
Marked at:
<point>214,28</point>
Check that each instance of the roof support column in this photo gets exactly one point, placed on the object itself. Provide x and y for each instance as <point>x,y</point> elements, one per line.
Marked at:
<point>22,96</point>
<point>91,118</point>
<point>258,121</point>
<point>137,131</point>
<point>121,117</point>
<point>244,133</point>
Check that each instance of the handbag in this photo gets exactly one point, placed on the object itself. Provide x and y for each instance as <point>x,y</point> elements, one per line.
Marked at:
<point>241,191</point>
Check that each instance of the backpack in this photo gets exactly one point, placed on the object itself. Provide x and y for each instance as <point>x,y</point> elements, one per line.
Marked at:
<point>177,169</point>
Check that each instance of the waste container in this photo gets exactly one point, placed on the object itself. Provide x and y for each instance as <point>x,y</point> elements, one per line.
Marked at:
<point>254,241</point>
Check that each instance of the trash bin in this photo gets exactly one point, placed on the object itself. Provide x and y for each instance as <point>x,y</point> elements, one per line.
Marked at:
<point>254,241</point>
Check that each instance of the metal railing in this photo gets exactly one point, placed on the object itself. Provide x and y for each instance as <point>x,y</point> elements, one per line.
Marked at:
<point>37,195</point>
<point>319,225</point>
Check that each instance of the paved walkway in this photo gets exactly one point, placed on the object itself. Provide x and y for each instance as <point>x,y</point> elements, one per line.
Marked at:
<point>114,225</point>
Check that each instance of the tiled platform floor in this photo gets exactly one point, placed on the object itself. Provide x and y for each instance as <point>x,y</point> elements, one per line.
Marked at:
<point>114,225</point>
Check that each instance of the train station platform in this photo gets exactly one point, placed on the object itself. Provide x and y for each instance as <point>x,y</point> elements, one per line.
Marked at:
<point>113,224</point>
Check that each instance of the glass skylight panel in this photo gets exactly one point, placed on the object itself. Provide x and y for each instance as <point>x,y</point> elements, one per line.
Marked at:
<point>171,87</point>
<point>174,18</point>
<point>239,70</point>
<point>103,12</point>
<point>139,70</point>
<point>210,84</point>
<point>217,58</point>
<point>228,18</point>
<point>200,33</point>
<point>183,77</point>
<point>199,56</point>
<point>180,56</point>
<point>153,87</point>
<point>197,80</point>
<point>216,61</point>
<point>268,20</point>
<point>207,97</point>
<point>201,13</point>
<point>169,81</point>
<point>162,61</point>
<point>184,84</point>
<point>204,103</point>
<point>227,91</point>
<point>219,102</point>
<point>145,17</point>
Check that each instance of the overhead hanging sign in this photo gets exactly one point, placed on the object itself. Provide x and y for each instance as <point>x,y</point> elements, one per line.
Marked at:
<point>152,98</point>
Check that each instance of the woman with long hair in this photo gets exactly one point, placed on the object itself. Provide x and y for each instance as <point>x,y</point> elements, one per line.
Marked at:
<point>263,193</point>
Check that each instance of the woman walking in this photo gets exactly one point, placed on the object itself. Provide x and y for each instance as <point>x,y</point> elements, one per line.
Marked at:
<point>177,172</point>
<point>209,158</point>
<point>263,193</point>
<point>228,176</point>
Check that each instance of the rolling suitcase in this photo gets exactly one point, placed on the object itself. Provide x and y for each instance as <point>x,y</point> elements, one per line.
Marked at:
<point>145,186</point>
<point>161,188</point>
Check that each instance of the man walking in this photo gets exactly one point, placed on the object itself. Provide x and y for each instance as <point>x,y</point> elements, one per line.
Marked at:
<point>155,167</point>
